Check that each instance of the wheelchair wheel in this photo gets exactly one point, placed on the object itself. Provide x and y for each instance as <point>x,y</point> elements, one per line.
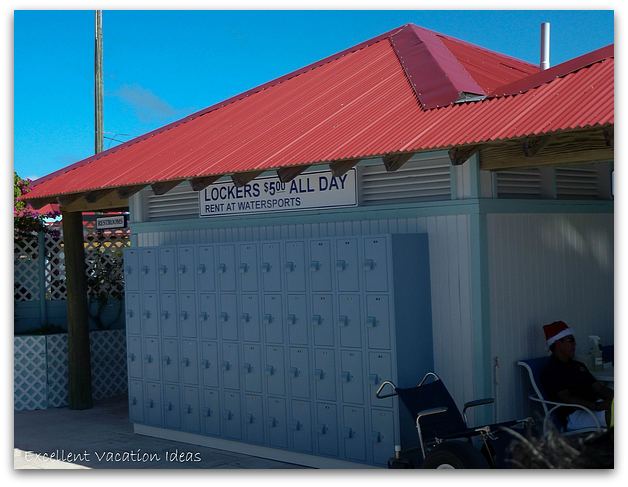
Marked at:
<point>453,455</point>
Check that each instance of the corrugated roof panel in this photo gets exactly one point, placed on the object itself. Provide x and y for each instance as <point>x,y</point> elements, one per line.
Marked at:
<point>357,104</point>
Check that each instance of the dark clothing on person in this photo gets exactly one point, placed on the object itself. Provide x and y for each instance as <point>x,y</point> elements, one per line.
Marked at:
<point>572,376</point>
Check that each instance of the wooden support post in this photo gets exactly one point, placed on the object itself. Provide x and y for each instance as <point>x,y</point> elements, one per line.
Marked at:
<point>460,155</point>
<point>340,168</point>
<point>79,359</point>
<point>287,174</point>
<point>242,178</point>
<point>395,161</point>
<point>199,184</point>
<point>533,145</point>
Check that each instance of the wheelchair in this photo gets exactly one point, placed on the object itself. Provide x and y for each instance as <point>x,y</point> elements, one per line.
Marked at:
<point>445,440</point>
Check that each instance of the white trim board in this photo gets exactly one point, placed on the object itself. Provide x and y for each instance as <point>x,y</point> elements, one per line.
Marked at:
<point>247,449</point>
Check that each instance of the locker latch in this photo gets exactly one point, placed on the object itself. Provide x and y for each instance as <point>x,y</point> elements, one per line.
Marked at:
<point>207,363</point>
<point>371,322</point>
<point>182,269</point>
<point>248,368</point>
<point>294,371</point>
<point>347,376</point>
<point>186,362</point>
<point>341,264</point>
<point>369,264</point>
<point>292,319</point>
<point>270,369</point>
<point>266,266</point>
<point>163,269</point>
<point>246,317</point>
<point>226,365</point>
<point>319,374</point>
<point>317,319</point>
<point>374,378</point>
<point>201,269</point>
<point>244,267</point>
<point>290,266</point>
<point>167,360</point>
<point>343,321</point>
<point>315,265</point>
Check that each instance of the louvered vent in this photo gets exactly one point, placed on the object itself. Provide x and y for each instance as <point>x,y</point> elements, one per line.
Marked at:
<point>577,182</point>
<point>419,179</point>
<point>522,183</point>
<point>178,203</point>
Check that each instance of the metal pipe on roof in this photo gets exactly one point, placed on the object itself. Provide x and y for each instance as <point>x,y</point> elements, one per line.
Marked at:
<point>545,45</point>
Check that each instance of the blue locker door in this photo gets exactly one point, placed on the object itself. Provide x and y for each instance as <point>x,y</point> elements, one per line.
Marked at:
<point>134,353</point>
<point>299,372</point>
<point>276,418</point>
<point>351,377</point>
<point>347,265</point>
<point>226,268</point>
<point>231,426</point>
<point>168,315</point>
<point>382,435</point>
<point>209,364</point>
<point>375,264</point>
<point>190,410</point>
<point>132,270</point>
<point>271,267</point>
<point>297,319</point>
<point>349,320</point>
<point>210,412</point>
<point>325,374</point>
<point>150,315</point>
<point>274,371</point>
<point>301,426</point>
<point>247,267</point>
<point>153,404</point>
<point>170,359</point>
<point>272,318</point>
<point>294,267</point>
<point>167,270</point>
<point>230,366</point>
<point>252,366</point>
<point>133,313</point>
<point>228,317</point>
<point>249,317</point>
<point>207,316</point>
<point>189,362</point>
<point>148,268</point>
<point>172,407</point>
<point>378,321</point>
<point>185,268</point>
<point>323,319</point>
<point>151,359</point>
<point>253,419</point>
<point>205,268</point>
<point>380,369</point>
<point>320,266</point>
<point>353,433</point>
<point>187,315</point>
<point>136,401</point>
<point>327,429</point>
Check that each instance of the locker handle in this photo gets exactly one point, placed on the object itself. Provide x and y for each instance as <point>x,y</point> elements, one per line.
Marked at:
<point>146,314</point>
<point>222,267</point>
<point>346,376</point>
<point>251,418</point>
<point>369,264</point>
<point>319,374</point>
<point>244,267</point>
<point>224,316</point>
<point>290,266</point>
<point>268,319</point>
<point>323,430</point>
<point>151,403</point>
<point>226,365</point>
<point>188,409</point>
<point>207,364</point>
<point>149,359</point>
<point>204,316</point>
<point>145,269</point>
<point>315,265</point>
<point>374,378</point>
<point>184,315</point>
<point>248,368</point>
<point>297,425</point>
<point>165,314</point>
<point>167,360</point>
<point>377,437</point>
<point>129,313</point>
<point>292,319</point>
<point>266,266</point>
<point>371,321</point>
<point>294,371</point>
<point>209,412</point>
<point>170,408</point>
<point>132,357</point>
<point>228,415</point>
<point>349,433</point>
<point>134,401</point>
<point>182,269</point>
<point>270,369</point>
<point>163,269</point>
<point>317,319</point>
<point>186,362</point>
<point>128,269</point>
<point>246,317</point>
<point>201,269</point>
<point>343,321</point>
<point>341,264</point>
<point>272,422</point>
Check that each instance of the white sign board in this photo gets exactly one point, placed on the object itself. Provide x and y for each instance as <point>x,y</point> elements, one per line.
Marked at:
<point>109,222</point>
<point>305,192</point>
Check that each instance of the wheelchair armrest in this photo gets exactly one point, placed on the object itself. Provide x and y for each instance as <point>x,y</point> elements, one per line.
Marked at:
<point>478,402</point>
<point>555,405</point>
<point>420,414</point>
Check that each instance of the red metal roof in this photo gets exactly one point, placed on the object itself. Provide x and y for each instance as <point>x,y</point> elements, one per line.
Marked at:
<point>357,104</point>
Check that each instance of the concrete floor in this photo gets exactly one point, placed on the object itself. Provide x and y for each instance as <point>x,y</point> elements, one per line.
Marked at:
<point>46,439</point>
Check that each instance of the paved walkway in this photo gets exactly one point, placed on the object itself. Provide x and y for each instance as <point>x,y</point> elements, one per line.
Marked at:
<point>102,437</point>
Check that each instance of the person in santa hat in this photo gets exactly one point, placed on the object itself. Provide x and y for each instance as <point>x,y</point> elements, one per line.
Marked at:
<point>567,380</point>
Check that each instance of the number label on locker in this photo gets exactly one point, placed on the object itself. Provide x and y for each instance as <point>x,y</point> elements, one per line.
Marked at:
<point>185,268</point>
<point>351,374</point>
<point>271,267</point>
<point>210,412</point>
<point>252,365</point>
<point>297,319</point>
<point>347,267</point>
<point>247,267</point>
<point>253,419</point>
<point>209,363</point>
<point>249,317</point>
<point>375,264</point>
<point>325,374</point>
<point>207,316</point>
<point>187,314</point>
<point>226,268</point>
<point>168,315</point>
<point>166,269</point>
<point>378,321</point>
<point>172,407</point>
<point>190,410</point>
<point>299,372</point>
<point>320,266</point>
<point>205,268</point>
<point>301,426</point>
<point>272,318</point>
<point>170,359</point>
<point>294,267</point>
<point>189,362</point>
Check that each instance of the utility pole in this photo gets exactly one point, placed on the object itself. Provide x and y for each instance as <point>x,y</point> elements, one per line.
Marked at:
<point>98,85</point>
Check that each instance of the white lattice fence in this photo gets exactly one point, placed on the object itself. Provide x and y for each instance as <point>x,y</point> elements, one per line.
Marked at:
<point>26,268</point>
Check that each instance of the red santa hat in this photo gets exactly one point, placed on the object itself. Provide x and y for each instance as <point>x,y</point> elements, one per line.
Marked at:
<point>555,331</point>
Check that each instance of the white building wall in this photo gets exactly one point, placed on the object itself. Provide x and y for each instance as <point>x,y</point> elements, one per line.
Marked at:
<point>542,268</point>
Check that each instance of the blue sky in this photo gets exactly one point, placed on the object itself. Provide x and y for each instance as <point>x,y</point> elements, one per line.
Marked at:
<point>160,66</point>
